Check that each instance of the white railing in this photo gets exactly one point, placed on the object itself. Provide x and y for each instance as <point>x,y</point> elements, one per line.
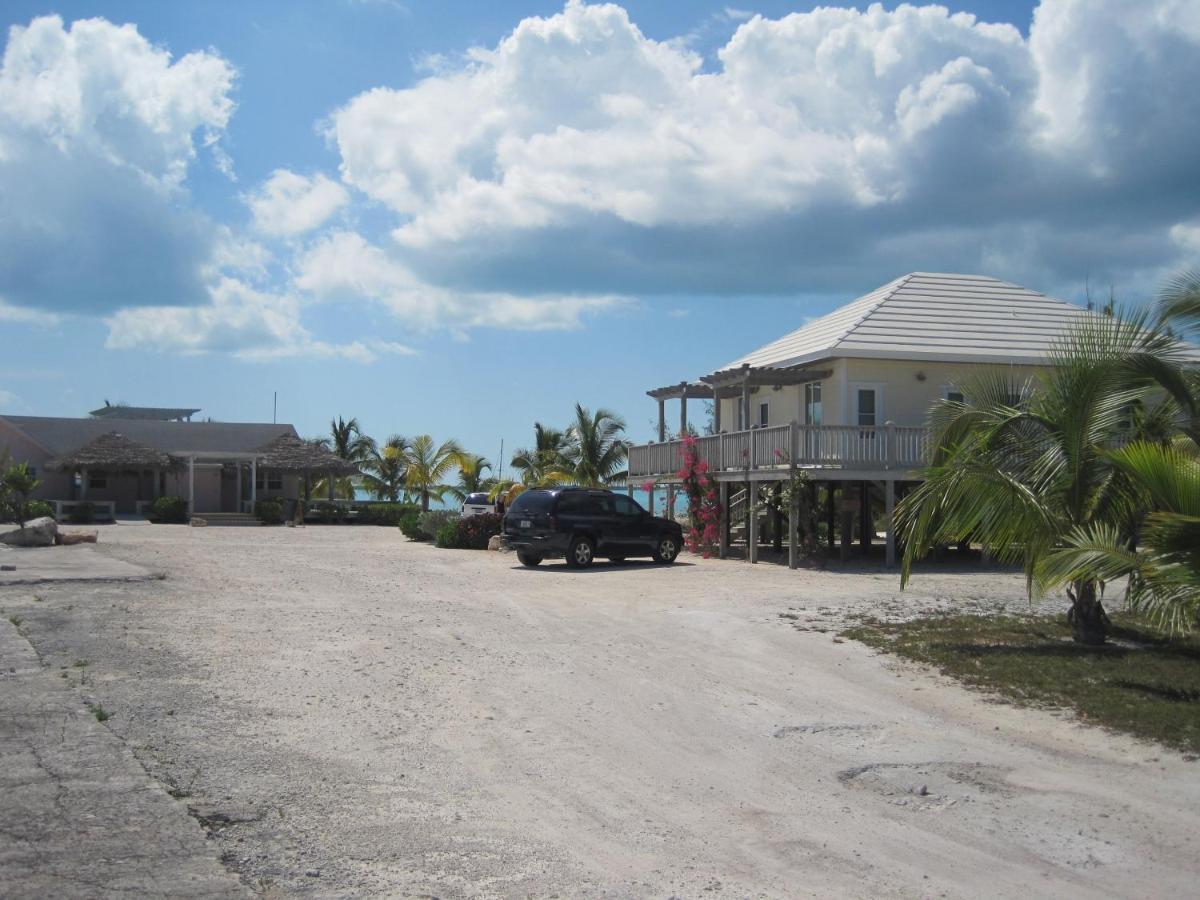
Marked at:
<point>865,447</point>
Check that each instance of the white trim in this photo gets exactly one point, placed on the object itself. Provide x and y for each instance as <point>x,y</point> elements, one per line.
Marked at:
<point>878,388</point>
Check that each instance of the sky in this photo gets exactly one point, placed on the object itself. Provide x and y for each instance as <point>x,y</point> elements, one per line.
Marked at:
<point>458,218</point>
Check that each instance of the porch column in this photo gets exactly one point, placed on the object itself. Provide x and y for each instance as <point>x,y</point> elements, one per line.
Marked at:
<point>746,400</point>
<point>329,482</point>
<point>723,547</point>
<point>662,420</point>
<point>83,483</point>
<point>191,485</point>
<point>889,507</point>
<point>865,525</point>
<point>253,481</point>
<point>717,410</point>
<point>682,410</point>
<point>830,517</point>
<point>238,505</point>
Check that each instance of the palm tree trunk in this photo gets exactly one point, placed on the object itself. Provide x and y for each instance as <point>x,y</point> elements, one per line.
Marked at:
<point>424,501</point>
<point>1089,621</point>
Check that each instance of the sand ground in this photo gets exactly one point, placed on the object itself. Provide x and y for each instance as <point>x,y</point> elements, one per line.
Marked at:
<point>352,714</point>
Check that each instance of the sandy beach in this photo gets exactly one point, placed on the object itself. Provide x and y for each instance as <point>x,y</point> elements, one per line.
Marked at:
<point>352,714</point>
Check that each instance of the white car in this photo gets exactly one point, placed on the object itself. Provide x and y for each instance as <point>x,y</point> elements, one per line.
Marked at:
<point>477,505</point>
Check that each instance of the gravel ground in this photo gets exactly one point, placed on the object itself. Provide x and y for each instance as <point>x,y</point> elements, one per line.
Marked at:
<point>351,714</point>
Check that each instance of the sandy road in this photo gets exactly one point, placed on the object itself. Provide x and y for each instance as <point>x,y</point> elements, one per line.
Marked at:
<point>351,714</point>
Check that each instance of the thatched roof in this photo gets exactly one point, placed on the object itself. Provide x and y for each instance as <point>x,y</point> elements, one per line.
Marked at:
<point>114,451</point>
<point>289,453</point>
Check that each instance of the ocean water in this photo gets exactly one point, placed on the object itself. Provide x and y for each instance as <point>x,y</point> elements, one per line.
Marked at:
<point>640,495</point>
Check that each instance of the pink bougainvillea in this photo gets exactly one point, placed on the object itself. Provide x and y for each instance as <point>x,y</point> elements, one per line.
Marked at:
<point>704,511</point>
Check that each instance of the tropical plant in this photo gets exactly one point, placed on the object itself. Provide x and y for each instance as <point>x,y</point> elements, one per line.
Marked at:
<point>1027,469</point>
<point>595,452</point>
<point>169,510</point>
<point>547,462</point>
<point>19,483</point>
<point>427,465</point>
<point>384,469</point>
<point>347,441</point>
<point>269,510</point>
<point>470,477</point>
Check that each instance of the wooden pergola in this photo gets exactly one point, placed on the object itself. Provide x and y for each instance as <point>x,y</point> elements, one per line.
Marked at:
<point>740,381</point>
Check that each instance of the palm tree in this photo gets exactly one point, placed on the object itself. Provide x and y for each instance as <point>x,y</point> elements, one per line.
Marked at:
<point>546,463</point>
<point>1027,468</point>
<point>470,477</point>
<point>384,470</point>
<point>427,466</point>
<point>347,441</point>
<point>596,453</point>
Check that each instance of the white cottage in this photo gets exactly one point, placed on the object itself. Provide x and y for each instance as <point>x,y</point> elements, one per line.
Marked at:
<point>846,396</point>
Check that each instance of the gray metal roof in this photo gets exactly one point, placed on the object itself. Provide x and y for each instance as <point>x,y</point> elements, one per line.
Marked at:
<point>61,435</point>
<point>931,316</point>
<point>156,413</point>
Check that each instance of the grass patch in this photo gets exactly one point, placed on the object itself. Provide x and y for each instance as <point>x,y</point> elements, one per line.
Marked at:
<point>1144,682</point>
<point>101,714</point>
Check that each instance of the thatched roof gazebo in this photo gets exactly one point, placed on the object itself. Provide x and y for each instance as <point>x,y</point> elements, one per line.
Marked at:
<point>289,453</point>
<point>114,451</point>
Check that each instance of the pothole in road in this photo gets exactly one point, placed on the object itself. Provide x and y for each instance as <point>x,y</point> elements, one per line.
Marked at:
<point>831,729</point>
<point>932,785</point>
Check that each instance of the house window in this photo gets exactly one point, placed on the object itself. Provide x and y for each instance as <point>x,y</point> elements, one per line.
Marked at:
<point>271,481</point>
<point>763,415</point>
<point>866,406</point>
<point>812,403</point>
<point>97,479</point>
<point>953,394</point>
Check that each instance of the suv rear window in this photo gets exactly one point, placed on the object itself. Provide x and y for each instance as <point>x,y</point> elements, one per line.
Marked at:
<point>477,500</point>
<point>532,502</point>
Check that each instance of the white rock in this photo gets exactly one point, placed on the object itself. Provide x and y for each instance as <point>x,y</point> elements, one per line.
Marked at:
<point>36,533</point>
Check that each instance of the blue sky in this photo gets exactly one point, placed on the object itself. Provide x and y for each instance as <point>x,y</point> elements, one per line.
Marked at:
<point>459,218</point>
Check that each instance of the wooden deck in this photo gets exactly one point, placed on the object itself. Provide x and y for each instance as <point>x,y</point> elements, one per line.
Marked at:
<point>824,451</point>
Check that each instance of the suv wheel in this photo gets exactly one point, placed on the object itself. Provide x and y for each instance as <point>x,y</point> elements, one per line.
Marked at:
<point>528,559</point>
<point>582,553</point>
<point>666,549</point>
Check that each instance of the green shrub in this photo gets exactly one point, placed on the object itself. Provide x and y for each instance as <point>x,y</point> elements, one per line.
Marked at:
<point>36,509</point>
<point>169,509</point>
<point>269,511</point>
<point>474,532</point>
<point>326,513</point>
<point>447,536</point>
<point>410,525</point>
<point>82,513</point>
<point>431,522</point>
<point>384,513</point>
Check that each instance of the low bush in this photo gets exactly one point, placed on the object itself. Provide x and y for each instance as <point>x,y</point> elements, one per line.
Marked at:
<point>269,511</point>
<point>447,536</point>
<point>433,521</point>
<point>410,525</point>
<point>169,510</point>
<point>82,513</point>
<point>326,513</point>
<point>385,513</point>
<point>36,509</point>
<point>470,533</point>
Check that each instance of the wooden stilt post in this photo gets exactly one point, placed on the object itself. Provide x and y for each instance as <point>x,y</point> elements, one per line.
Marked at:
<point>723,548</point>
<point>847,520</point>
<point>830,514</point>
<point>794,530</point>
<point>889,510</point>
<point>777,518</point>
<point>752,531</point>
<point>865,525</point>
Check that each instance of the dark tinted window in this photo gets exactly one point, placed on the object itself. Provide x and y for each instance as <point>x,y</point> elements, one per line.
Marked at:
<point>626,507</point>
<point>478,500</point>
<point>532,502</point>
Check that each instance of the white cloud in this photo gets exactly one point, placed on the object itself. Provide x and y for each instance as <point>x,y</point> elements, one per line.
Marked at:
<point>8,398</point>
<point>580,152</point>
<point>23,315</point>
<point>288,204</point>
<point>239,320</point>
<point>345,266</point>
<point>97,134</point>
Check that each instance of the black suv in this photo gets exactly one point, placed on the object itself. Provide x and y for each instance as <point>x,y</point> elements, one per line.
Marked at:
<point>582,524</point>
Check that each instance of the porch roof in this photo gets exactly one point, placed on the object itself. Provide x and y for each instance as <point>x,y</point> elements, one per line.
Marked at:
<point>729,382</point>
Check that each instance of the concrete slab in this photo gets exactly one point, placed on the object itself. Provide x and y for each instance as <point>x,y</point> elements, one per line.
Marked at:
<point>39,565</point>
<point>80,817</point>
